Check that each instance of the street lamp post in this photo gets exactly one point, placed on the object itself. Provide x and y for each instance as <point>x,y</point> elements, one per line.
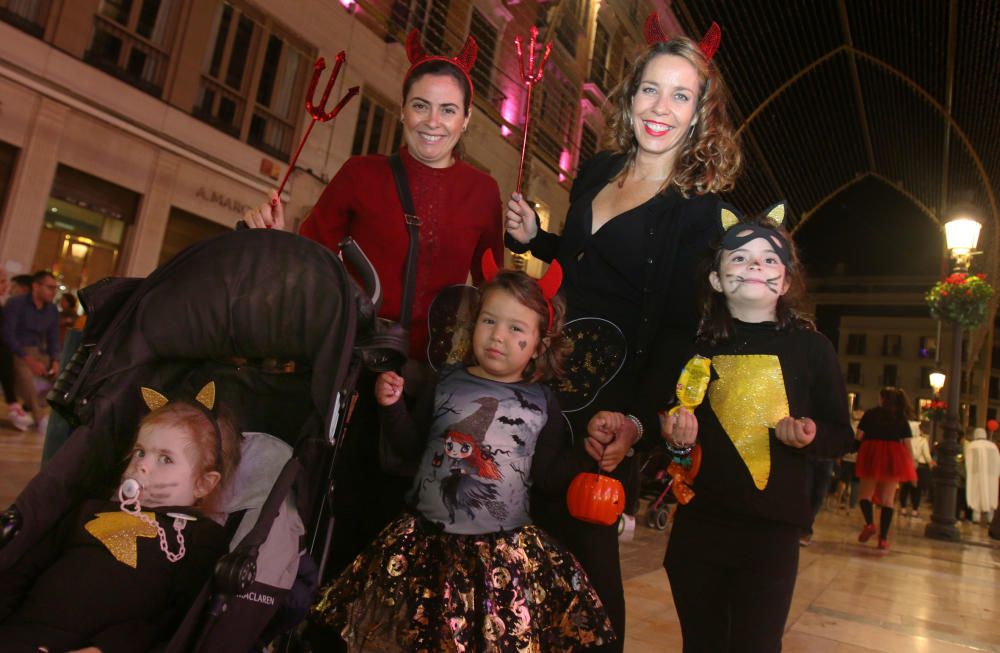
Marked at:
<point>937,380</point>
<point>962,235</point>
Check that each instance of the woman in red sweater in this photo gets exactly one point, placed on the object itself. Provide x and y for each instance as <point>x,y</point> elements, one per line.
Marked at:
<point>459,206</point>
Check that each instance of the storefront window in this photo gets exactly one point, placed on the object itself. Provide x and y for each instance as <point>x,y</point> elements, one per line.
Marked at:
<point>85,225</point>
<point>185,229</point>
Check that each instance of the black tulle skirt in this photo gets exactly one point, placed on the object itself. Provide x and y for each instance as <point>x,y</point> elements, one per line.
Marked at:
<point>420,589</point>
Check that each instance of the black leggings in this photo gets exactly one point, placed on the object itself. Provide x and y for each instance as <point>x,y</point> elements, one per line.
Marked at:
<point>732,583</point>
<point>915,490</point>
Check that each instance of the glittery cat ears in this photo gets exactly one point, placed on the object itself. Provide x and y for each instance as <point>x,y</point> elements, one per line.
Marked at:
<point>154,400</point>
<point>708,45</point>
<point>549,283</point>
<point>775,215</point>
<point>736,238</point>
<point>416,54</point>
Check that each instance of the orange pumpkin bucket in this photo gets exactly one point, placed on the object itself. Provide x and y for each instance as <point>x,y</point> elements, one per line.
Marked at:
<point>595,498</point>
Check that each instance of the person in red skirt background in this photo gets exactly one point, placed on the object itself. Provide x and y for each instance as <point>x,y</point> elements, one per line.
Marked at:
<point>884,460</point>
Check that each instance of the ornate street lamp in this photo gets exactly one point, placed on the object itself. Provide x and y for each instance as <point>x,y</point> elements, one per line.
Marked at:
<point>962,235</point>
<point>937,380</point>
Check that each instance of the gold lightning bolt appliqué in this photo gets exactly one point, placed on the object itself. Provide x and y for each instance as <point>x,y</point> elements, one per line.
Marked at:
<point>749,398</point>
<point>119,533</point>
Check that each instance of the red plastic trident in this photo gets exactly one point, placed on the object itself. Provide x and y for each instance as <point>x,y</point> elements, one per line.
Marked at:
<point>318,112</point>
<point>529,78</point>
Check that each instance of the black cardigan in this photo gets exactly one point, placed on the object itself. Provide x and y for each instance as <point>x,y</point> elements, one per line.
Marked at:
<point>679,231</point>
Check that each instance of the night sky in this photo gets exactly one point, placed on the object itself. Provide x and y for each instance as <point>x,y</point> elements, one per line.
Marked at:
<point>870,230</point>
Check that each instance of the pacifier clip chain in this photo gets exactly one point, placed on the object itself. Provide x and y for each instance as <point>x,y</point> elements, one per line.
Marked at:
<point>128,495</point>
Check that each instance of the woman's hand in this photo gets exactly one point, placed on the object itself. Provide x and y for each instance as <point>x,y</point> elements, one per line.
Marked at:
<point>388,388</point>
<point>611,435</point>
<point>795,432</point>
<point>680,429</point>
<point>267,216</point>
<point>520,220</point>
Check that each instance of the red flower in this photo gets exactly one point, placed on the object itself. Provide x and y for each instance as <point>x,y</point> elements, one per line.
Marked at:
<point>981,276</point>
<point>944,293</point>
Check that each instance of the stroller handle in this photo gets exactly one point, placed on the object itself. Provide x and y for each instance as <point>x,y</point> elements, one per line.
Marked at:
<point>352,253</point>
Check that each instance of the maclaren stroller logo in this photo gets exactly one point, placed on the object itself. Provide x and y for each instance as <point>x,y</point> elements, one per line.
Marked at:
<point>256,597</point>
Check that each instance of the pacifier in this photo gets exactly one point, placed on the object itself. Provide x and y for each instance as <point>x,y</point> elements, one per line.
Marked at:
<point>129,489</point>
<point>128,496</point>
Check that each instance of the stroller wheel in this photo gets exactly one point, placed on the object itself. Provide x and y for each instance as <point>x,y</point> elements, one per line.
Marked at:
<point>651,517</point>
<point>661,518</point>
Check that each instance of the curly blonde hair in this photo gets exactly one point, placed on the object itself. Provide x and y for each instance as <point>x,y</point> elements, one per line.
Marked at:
<point>710,161</point>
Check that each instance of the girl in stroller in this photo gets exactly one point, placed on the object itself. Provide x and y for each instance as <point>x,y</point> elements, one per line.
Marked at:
<point>116,575</point>
<point>465,569</point>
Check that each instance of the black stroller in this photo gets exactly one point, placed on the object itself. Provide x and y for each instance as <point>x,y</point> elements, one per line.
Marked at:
<point>223,310</point>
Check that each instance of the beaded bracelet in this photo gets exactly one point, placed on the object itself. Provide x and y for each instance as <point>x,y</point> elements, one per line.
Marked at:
<point>678,451</point>
<point>638,426</point>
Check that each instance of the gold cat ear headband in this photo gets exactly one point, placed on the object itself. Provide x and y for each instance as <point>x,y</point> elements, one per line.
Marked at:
<point>739,233</point>
<point>204,401</point>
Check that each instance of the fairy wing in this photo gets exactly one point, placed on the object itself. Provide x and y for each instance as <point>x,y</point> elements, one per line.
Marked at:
<point>598,354</point>
<point>448,321</point>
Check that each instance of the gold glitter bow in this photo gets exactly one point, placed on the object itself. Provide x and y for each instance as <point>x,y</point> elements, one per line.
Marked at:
<point>119,533</point>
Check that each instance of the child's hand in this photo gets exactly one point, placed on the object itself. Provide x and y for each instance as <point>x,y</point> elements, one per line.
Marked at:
<point>795,432</point>
<point>388,388</point>
<point>89,649</point>
<point>679,429</point>
<point>611,436</point>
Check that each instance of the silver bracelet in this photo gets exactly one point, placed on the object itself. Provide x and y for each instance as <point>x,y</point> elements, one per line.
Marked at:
<point>638,426</point>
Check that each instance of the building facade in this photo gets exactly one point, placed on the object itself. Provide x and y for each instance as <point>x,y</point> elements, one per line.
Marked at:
<point>885,337</point>
<point>130,129</point>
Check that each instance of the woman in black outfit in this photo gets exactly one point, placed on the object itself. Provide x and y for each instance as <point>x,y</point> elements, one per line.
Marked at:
<point>884,460</point>
<point>641,215</point>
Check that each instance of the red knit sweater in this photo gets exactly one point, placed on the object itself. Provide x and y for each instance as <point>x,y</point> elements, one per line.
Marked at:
<point>460,213</point>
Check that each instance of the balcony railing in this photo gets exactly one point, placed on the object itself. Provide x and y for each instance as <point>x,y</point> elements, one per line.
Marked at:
<point>26,15</point>
<point>128,56</point>
<point>599,75</point>
<point>219,106</point>
<point>271,134</point>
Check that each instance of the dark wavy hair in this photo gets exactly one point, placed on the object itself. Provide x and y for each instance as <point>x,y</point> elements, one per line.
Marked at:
<point>441,69</point>
<point>553,346</point>
<point>896,402</point>
<point>716,320</point>
<point>710,160</point>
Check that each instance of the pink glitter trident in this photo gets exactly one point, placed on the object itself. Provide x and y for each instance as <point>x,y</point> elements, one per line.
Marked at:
<point>529,78</point>
<point>318,112</point>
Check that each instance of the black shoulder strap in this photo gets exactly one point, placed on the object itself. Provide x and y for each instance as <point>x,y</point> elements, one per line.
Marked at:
<point>412,227</point>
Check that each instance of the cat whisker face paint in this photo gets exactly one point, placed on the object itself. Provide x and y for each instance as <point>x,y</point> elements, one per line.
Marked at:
<point>752,274</point>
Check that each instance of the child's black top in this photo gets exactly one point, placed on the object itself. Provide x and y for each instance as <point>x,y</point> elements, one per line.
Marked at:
<point>482,446</point>
<point>760,375</point>
<point>78,588</point>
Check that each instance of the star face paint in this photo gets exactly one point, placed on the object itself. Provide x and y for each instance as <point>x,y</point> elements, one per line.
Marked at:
<point>752,277</point>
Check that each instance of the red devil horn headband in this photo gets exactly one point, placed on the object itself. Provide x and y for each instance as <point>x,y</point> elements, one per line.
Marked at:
<point>549,283</point>
<point>708,45</point>
<point>464,61</point>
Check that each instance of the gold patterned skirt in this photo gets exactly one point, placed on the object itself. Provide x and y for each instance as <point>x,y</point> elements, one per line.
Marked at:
<point>418,589</point>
